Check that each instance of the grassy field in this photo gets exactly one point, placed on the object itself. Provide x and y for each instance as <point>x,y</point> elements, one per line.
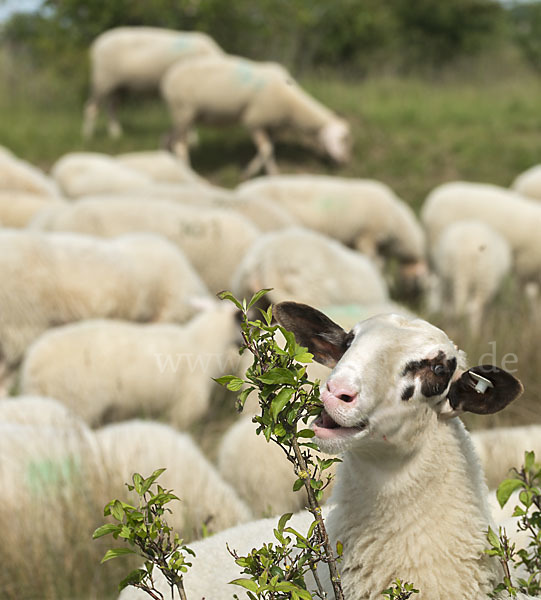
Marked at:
<point>409,133</point>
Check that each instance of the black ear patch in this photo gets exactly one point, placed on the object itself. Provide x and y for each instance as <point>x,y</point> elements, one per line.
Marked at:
<point>326,340</point>
<point>434,373</point>
<point>463,396</point>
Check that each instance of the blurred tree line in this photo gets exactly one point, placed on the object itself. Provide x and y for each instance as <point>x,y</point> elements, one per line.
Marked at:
<point>360,36</point>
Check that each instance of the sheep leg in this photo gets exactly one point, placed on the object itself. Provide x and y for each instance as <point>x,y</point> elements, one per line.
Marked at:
<point>90,117</point>
<point>113,125</point>
<point>264,156</point>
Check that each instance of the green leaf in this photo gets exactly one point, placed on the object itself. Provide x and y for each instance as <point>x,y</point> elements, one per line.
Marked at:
<point>339,548</point>
<point>505,489</point>
<point>247,584</point>
<point>115,552</point>
<point>306,433</point>
<point>117,510</point>
<point>298,484</point>
<point>106,530</point>
<point>137,482</point>
<point>226,295</point>
<point>493,539</point>
<point>283,520</point>
<point>278,375</point>
<point>304,356</point>
<point>282,398</point>
<point>133,577</point>
<point>529,460</point>
<point>227,380</point>
<point>257,296</point>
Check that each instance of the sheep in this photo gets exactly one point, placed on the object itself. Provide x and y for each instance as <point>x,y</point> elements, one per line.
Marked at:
<point>161,166</point>
<point>255,468</point>
<point>157,369</point>
<point>51,279</point>
<point>143,446</point>
<point>135,58</point>
<point>36,410</point>
<point>502,448</point>
<point>213,239</point>
<point>83,173</point>
<point>262,96</point>
<point>17,174</point>
<point>471,260</point>
<point>266,217</point>
<point>17,207</point>
<point>514,217</point>
<point>309,267</point>
<point>361,213</point>
<point>529,183</point>
<point>410,488</point>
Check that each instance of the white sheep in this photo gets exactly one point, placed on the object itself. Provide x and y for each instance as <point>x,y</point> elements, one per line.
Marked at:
<point>153,369</point>
<point>308,267</point>
<point>261,96</point>
<point>361,213</point>
<point>502,448</point>
<point>266,217</point>
<point>471,261</point>
<point>410,499</point>
<point>18,174</point>
<point>143,446</point>
<point>53,279</point>
<point>83,173</point>
<point>37,410</point>
<point>257,469</point>
<point>17,207</point>
<point>513,216</point>
<point>135,58</point>
<point>528,183</point>
<point>213,239</point>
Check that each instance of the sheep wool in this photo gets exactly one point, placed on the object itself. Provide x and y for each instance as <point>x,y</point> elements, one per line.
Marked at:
<point>529,183</point>
<point>18,207</point>
<point>361,213</point>
<point>135,58</point>
<point>214,240</point>
<point>514,217</point>
<point>17,174</point>
<point>471,261</point>
<point>262,96</point>
<point>308,267</point>
<point>107,369</point>
<point>143,446</point>
<point>53,279</point>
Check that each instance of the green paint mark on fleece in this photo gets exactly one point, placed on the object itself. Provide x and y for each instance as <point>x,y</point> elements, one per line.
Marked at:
<point>47,474</point>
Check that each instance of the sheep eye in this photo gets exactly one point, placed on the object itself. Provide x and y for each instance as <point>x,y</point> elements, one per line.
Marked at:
<point>438,369</point>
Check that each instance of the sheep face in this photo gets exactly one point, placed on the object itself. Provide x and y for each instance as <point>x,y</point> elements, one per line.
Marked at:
<point>335,139</point>
<point>394,379</point>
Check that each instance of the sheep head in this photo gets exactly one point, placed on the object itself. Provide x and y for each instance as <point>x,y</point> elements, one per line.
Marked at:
<point>393,379</point>
<point>335,139</point>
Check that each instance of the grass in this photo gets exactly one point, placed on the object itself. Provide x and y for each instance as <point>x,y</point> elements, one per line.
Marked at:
<point>411,134</point>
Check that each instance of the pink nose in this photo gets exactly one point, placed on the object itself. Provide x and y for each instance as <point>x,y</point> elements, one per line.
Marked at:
<point>341,391</point>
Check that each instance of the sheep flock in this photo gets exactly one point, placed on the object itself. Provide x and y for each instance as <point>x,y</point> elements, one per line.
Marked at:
<point>111,333</point>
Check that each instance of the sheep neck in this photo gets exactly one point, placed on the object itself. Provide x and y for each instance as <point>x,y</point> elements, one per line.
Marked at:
<point>421,517</point>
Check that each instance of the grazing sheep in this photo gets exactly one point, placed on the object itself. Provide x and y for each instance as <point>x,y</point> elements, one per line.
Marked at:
<point>135,58</point>
<point>261,96</point>
<point>53,279</point>
<point>410,499</point>
<point>514,217</point>
<point>309,267</point>
<point>529,183</point>
<point>470,260</point>
<point>213,239</point>
<point>159,369</point>
<point>17,207</point>
<point>361,213</point>
<point>143,446</point>
<point>502,448</point>
<point>36,410</point>
<point>17,174</point>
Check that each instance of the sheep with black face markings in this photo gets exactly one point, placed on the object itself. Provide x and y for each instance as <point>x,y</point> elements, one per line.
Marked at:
<point>410,499</point>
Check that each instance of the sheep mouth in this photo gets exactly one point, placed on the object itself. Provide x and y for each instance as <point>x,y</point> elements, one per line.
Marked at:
<point>325,426</point>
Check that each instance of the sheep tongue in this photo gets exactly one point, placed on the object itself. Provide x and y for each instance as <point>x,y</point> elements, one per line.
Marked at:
<point>326,421</point>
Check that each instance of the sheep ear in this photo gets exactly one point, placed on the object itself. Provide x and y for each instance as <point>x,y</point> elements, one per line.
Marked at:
<point>326,340</point>
<point>483,390</point>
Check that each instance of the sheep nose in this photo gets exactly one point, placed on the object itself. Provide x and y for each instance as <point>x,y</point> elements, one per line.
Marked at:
<point>341,391</point>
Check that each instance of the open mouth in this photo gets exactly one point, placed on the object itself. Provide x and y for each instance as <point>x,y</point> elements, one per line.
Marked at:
<point>326,427</point>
